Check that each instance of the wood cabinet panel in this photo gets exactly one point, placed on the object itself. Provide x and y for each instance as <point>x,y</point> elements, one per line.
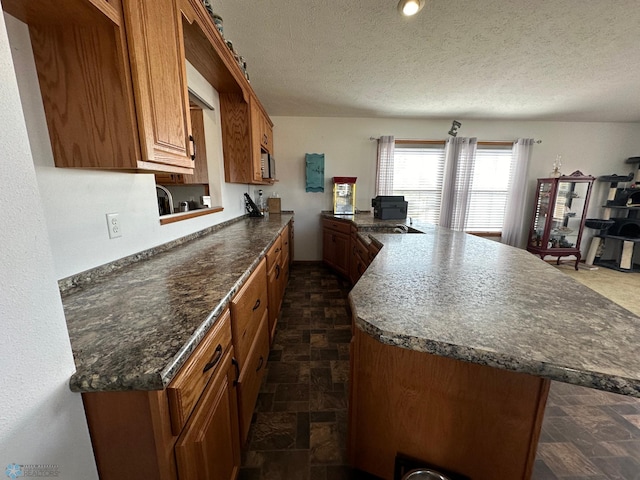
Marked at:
<point>200,166</point>
<point>337,225</point>
<point>275,296</point>
<point>156,52</point>
<point>251,377</point>
<point>236,139</point>
<point>274,253</point>
<point>247,310</point>
<point>242,135</point>
<point>209,447</point>
<point>113,82</point>
<point>335,247</point>
<point>479,421</point>
<point>131,435</point>
<point>206,50</point>
<point>86,92</point>
<point>285,241</point>
<point>189,383</point>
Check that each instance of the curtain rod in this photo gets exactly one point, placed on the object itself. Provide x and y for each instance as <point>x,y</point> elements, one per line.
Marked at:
<point>406,140</point>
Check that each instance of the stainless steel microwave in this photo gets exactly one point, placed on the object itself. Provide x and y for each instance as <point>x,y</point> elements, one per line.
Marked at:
<point>268,165</point>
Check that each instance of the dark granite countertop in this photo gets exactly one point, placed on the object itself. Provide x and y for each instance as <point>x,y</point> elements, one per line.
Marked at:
<point>133,328</point>
<point>477,300</point>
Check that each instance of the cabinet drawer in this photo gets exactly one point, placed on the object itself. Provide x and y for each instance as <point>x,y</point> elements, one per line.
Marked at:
<point>185,389</point>
<point>251,377</point>
<point>247,309</point>
<point>338,225</point>
<point>284,240</point>
<point>273,255</point>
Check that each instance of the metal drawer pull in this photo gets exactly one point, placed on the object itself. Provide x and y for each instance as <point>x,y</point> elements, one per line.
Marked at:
<point>260,363</point>
<point>235,363</point>
<point>217,355</point>
<point>255,307</point>
<point>277,271</point>
<point>193,142</point>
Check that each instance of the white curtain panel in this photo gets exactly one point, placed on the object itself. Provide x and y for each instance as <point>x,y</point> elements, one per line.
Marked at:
<point>513,229</point>
<point>460,155</point>
<point>384,168</point>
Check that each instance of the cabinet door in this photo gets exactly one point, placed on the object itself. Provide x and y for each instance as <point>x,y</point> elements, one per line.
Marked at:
<point>200,167</point>
<point>156,54</point>
<point>274,298</point>
<point>256,139</point>
<point>251,377</point>
<point>209,447</point>
<point>335,250</point>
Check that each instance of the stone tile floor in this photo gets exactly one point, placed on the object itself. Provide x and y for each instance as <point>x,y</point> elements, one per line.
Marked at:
<point>299,426</point>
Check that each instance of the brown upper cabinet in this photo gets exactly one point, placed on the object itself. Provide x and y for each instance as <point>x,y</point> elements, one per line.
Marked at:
<point>200,170</point>
<point>113,82</point>
<point>247,132</point>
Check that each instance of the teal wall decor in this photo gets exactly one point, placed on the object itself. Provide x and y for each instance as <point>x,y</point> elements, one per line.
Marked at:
<point>315,171</point>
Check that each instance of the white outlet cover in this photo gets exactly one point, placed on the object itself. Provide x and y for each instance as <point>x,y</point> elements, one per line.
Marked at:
<point>113,224</point>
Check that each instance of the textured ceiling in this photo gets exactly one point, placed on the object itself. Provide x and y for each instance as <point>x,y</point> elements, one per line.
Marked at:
<point>570,60</point>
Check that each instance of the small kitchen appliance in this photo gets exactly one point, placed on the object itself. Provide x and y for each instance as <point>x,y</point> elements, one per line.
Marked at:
<point>268,166</point>
<point>392,207</point>
<point>251,207</point>
<point>344,195</point>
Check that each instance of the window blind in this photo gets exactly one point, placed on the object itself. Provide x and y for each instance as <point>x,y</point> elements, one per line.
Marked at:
<point>489,188</point>
<point>418,173</point>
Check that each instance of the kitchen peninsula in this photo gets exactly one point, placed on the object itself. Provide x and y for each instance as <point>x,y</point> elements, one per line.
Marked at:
<point>456,339</point>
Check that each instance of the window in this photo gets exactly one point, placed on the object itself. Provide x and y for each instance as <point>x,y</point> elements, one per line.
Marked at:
<point>418,171</point>
<point>489,188</point>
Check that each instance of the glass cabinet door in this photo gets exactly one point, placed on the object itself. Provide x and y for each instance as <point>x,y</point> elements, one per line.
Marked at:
<point>558,217</point>
<point>567,214</point>
<point>544,201</point>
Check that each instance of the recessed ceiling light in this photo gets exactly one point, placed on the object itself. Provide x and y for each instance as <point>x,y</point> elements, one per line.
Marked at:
<point>410,7</point>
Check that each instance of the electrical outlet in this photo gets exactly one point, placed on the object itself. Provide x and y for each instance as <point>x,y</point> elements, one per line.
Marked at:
<point>113,222</point>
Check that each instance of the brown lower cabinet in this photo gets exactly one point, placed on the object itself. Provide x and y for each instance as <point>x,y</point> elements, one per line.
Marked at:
<point>195,428</point>
<point>336,244</point>
<point>134,433</point>
<point>209,446</point>
<point>475,420</point>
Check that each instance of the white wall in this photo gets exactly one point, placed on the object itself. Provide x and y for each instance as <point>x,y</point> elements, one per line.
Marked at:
<point>41,420</point>
<point>593,148</point>
<point>75,201</point>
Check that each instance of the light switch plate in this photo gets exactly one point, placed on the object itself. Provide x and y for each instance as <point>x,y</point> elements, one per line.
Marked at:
<point>113,223</point>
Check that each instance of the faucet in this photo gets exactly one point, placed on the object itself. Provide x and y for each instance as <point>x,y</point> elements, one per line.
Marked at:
<point>169,196</point>
<point>402,227</point>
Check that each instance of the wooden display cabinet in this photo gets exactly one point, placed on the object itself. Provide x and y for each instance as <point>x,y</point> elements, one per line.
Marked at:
<point>558,217</point>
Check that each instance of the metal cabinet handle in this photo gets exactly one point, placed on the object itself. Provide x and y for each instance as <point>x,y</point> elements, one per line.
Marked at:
<point>214,361</point>
<point>255,307</point>
<point>260,362</point>
<point>235,363</point>
<point>277,272</point>
<point>193,146</point>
